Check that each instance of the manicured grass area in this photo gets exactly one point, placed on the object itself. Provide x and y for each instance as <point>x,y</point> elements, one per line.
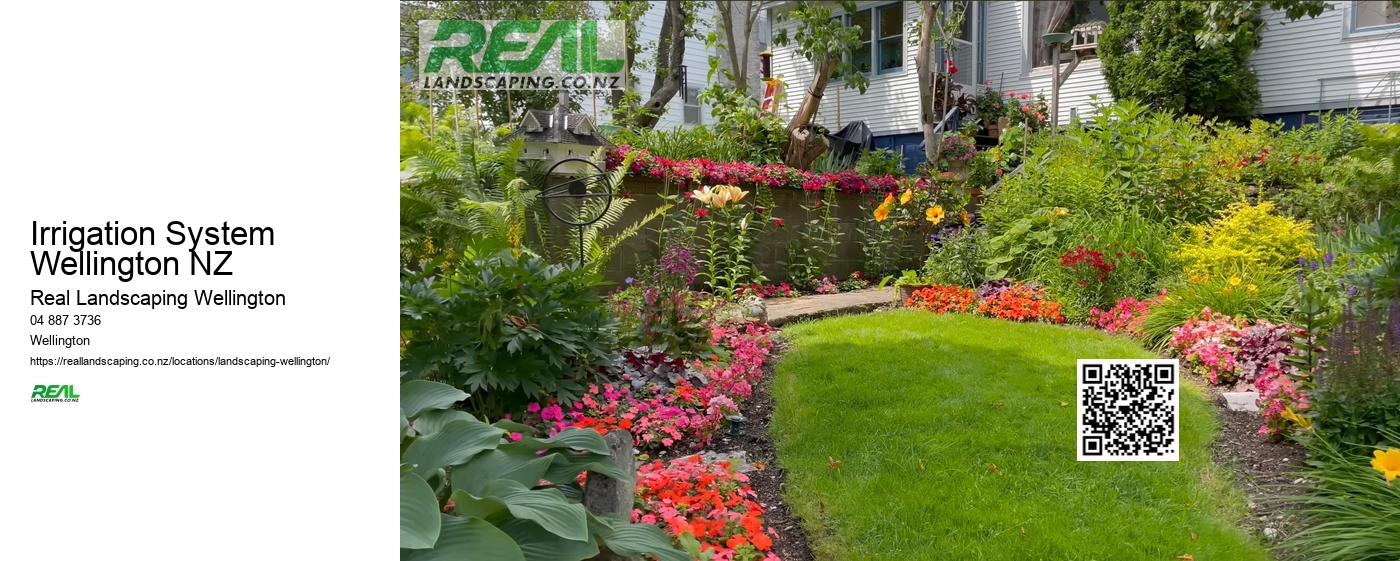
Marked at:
<point>917,408</point>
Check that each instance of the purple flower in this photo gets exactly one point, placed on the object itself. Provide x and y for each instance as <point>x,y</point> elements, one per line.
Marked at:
<point>1327,259</point>
<point>628,280</point>
<point>1312,265</point>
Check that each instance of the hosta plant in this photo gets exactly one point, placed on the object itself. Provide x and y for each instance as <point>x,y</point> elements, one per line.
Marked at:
<point>469,490</point>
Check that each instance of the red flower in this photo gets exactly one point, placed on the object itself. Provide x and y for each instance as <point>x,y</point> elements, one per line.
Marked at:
<point>701,212</point>
<point>778,222</point>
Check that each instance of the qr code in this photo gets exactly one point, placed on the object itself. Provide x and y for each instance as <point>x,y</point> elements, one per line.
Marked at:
<point>1129,410</point>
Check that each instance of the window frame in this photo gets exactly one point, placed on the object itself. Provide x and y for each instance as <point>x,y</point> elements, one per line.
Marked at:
<point>876,39</point>
<point>1028,38</point>
<point>692,101</point>
<point>1355,6</point>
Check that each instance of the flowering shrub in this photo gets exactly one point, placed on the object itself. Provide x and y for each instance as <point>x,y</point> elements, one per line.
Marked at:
<point>711,502</point>
<point>1252,237</point>
<point>825,285</point>
<point>941,299</point>
<point>853,282</point>
<point>1283,393</point>
<point>1021,302</point>
<point>775,176</point>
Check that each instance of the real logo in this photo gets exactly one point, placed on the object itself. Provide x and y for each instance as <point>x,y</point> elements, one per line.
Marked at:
<point>521,54</point>
<point>53,393</point>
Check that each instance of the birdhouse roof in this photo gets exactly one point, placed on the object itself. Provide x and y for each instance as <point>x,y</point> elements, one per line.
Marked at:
<point>558,126</point>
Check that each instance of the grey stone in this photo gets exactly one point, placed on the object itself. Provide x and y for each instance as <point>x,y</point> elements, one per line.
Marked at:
<point>605,495</point>
<point>738,459</point>
<point>1270,534</point>
<point>1240,401</point>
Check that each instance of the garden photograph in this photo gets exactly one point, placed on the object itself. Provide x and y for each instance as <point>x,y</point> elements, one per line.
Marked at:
<point>761,280</point>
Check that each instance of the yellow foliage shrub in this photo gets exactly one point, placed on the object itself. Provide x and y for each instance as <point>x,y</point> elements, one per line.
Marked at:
<point>1249,237</point>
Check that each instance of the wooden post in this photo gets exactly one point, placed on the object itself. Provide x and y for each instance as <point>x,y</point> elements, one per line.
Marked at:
<point>605,495</point>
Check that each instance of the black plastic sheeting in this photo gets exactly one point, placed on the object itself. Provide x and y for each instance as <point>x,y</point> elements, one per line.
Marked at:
<point>850,142</point>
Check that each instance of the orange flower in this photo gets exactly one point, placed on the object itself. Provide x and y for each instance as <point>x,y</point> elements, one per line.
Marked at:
<point>882,212</point>
<point>762,542</point>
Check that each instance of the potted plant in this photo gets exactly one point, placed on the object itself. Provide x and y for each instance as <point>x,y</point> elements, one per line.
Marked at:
<point>991,108</point>
<point>956,152</point>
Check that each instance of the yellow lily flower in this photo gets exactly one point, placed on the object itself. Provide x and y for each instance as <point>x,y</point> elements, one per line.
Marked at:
<point>1388,463</point>
<point>1234,281</point>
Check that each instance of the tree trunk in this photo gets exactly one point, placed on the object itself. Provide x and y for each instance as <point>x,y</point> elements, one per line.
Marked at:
<point>928,119</point>
<point>799,152</point>
<point>670,56</point>
<point>736,46</point>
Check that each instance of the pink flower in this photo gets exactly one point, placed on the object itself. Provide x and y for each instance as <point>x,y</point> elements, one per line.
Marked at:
<point>1025,109</point>
<point>1025,96</point>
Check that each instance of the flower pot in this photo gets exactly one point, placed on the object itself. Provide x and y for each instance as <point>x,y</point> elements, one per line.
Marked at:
<point>958,168</point>
<point>906,291</point>
<point>993,131</point>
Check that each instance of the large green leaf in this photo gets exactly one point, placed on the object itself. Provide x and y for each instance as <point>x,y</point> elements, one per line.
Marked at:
<point>567,466</point>
<point>519,465</point>
<point>452,445</point>
<point>577,439</point>
<point>468,538</point>
<point>471,506</point>
<point>432,420</point>
<point>628,539</point>
<point>539,544</point>
<point>417,395</point>
<point>547,507</point>
<point>418,513</point>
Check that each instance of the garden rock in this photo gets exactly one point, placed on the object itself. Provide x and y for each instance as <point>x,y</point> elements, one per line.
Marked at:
<point>1240,401</point>
<point>738,459</point>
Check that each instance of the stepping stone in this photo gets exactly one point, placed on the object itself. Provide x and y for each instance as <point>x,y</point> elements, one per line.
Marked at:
<point>787,310</point>
<point>1240,401</point>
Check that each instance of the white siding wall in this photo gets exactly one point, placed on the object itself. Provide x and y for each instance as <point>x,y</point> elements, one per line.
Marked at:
<point>697,61</point>
<point>1294,58</point>
<point>1008,68</point>
<point>890,104</point>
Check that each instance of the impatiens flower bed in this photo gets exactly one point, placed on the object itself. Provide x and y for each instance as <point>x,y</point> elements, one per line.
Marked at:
<point>712,503</point>
<point>1022,303</point>
<point>775,176</point>
<point>668,417</point>
<point>998,299</point>
<point>942,299</point>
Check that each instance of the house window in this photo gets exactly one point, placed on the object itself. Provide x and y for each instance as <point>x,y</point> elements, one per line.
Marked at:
<point>1058,17</point>
<point>691,112</point>
<point>1371,15</point>
<point>881,47</point>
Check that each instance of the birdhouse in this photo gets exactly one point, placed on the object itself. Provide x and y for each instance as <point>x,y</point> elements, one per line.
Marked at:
<point>556,134</point>
<point>1086,37</point>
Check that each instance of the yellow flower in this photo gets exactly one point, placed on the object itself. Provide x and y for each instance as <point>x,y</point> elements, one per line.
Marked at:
<point>1289,414</point>
<point>1234,281</point>
<point>1252,288</point>
<point>1060,211</point>
<point>906,197</point>
<point>719,195</point>
<point>967,218</point>
<point>889,199</point>
<point>1388,463</point>
<point>935,214</point>
<point>882,212</point>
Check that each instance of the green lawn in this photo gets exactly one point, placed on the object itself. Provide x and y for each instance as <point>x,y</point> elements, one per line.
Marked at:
<point>917,407</point>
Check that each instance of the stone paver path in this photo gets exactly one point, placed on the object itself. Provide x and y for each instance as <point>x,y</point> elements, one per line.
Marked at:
<point>786,310</point>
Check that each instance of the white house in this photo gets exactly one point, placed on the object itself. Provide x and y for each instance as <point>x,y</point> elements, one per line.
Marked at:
<point>1348,57</point>
<point>685,109</point>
